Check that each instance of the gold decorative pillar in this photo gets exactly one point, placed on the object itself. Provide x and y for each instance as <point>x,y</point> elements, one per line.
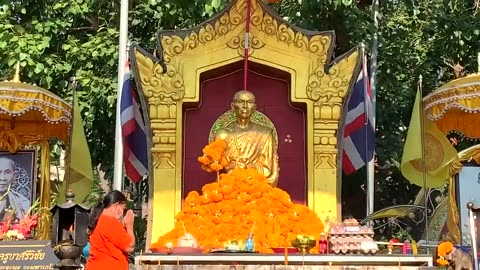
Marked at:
<point>327,91</point>
<point>317,80</point>
<point>325,197</point>
<point>44,225</point>
<point>163,90</point>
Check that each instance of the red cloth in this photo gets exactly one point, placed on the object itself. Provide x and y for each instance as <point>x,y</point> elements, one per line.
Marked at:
<point>108,244</point>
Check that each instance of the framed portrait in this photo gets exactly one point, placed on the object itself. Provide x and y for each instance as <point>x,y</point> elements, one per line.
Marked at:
<point>18,175</point>
<point>468,187</point>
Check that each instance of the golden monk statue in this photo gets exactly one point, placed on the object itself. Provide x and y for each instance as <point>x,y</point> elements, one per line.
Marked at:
<point>249,145</point>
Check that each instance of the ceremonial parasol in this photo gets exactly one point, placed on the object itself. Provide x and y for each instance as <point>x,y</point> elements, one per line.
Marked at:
<point>455,106</point>
<point>30,115</point>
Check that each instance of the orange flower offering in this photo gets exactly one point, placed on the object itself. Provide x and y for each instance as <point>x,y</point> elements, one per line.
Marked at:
<point>442,250</point>
<point>213,159</point>
<point>227,210</point>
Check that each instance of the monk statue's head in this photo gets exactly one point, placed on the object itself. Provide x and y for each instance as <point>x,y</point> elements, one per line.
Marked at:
<point>7,173</point>
<point>243,104</point>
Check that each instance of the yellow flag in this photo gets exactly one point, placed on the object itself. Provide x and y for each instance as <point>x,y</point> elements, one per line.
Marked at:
<point>438,151</point>
<point>80,180</point>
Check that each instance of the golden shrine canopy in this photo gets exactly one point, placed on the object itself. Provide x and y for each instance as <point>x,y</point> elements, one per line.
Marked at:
<point>28,109</point>
<point>455,106</point>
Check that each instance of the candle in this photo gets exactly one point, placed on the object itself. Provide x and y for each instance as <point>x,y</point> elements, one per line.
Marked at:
<point>286,255</point>
<point>70,232</point>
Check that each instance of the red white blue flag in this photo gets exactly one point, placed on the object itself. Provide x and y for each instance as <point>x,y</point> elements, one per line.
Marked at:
<point>135,148</point>
<point>358,142</point>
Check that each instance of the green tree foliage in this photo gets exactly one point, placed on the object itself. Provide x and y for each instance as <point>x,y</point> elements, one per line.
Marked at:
<point>55,39</point>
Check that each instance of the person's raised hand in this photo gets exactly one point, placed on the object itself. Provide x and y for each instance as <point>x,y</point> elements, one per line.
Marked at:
<point>128,219</point>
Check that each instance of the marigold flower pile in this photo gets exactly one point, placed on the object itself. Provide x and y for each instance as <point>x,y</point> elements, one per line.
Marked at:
<point>213,159</point>
<point>227,209</point>
<point>442,250</point>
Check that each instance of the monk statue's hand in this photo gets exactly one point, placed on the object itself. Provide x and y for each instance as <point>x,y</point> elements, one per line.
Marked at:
<point>128,219</point>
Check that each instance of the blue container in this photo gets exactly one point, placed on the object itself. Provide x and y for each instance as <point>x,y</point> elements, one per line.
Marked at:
<point>86,250</point>
<point>249,244</point>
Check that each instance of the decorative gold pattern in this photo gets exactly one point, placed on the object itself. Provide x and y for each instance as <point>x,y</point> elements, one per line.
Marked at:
<point>325,160</point>
<point>154,77</point>
<point>323,86</point>
<point>218,42</point>
<point>163,88</point>
<point>238,43</point>
<point>455,106</point>
<point>233,19</point>
<point>32,104</point>
<point>445,96</point>
<point>163,160</point>
<point>438,220</point>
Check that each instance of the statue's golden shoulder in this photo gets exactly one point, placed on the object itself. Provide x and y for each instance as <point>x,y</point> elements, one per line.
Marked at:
<point>227,131</point>
<point>222,134</point>
<point>262,129</point>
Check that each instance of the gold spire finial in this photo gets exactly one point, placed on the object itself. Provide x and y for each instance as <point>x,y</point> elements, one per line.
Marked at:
<point>16,77</point>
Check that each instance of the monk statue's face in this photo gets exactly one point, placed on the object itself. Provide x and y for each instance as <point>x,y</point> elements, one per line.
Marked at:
<point>244,104</point>
<point>7,173</point>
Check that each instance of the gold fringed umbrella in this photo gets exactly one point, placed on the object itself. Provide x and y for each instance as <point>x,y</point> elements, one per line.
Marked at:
<point>30,115</point>
<point>30,110</point>
<point>456,106</point>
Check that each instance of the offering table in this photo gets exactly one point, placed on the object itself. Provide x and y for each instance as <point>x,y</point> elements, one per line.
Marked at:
<point>276,261</point>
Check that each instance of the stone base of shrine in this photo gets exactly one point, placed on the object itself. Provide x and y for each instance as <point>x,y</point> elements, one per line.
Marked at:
<point>277,261</point>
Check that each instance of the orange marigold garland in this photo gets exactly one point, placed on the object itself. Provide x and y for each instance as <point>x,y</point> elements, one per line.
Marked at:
<point>227,209</point>
<point>442,250</point>
<point>213,159</point>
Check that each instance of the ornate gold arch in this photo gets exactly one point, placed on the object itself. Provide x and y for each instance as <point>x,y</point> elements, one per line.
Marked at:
<point>174,79</point>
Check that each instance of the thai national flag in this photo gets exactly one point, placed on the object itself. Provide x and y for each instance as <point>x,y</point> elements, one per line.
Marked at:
<point>135,150</point>
<point>358,140</point>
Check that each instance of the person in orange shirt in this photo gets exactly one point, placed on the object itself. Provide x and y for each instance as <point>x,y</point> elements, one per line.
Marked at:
<point>111,233</point>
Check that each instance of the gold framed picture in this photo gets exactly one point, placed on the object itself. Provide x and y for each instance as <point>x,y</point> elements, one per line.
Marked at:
<point>18,175</point>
